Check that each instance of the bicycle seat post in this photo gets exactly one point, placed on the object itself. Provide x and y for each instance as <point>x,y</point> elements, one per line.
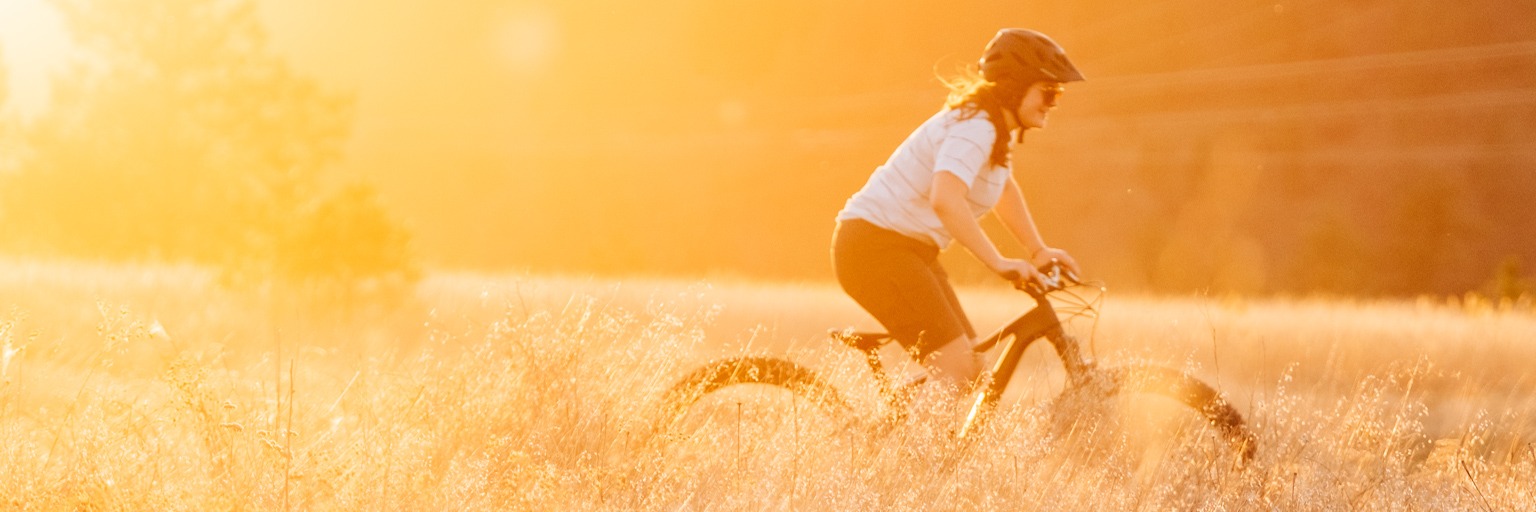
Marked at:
<point>869,344</point>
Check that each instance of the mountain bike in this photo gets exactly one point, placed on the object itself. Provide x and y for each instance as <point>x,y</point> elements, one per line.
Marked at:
<point>1087,384</point>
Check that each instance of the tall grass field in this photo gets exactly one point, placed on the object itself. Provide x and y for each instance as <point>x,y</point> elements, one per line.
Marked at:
<point>154,388</point>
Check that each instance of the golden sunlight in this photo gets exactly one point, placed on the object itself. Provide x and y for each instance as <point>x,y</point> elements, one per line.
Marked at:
<point>32,44</point>
<point>528,40</point>
<point>621,255</point>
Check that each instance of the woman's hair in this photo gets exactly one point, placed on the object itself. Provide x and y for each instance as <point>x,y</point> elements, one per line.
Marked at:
<point>970,93</point>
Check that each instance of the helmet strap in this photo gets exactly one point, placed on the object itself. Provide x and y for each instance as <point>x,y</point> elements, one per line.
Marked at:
<point>1013,112</point>
<point>1021,88</point>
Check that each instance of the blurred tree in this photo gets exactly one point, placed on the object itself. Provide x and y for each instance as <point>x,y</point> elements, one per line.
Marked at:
<point>1330,257</point>
<point>347,237</point>
<point>1431,237</point>
<point>181,136</point>
<point>1508,282</point>
<point>1204,244</point>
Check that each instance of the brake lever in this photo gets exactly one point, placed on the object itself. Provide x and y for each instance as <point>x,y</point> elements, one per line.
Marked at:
<point>1051,281</point>
<point>1058,276</point>
<point>1051,277</point>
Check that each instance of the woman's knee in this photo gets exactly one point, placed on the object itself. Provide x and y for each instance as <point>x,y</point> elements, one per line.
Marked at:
<point>955,362</point>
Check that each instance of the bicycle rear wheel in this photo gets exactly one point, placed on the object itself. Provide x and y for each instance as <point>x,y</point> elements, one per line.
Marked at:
<point>1153,402</point>
<point>747,419</point>
<point>769,371</point>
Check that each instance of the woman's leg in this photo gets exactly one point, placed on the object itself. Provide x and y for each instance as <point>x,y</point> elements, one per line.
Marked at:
<point>898,280</point>
<point>955,364</point>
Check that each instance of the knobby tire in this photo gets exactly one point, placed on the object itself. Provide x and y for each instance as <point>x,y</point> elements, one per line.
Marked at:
<point>1194,393</point>
<point>801,381</point>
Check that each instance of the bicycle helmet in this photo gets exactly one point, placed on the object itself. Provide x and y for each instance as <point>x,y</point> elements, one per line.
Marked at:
<point>1021,57</point>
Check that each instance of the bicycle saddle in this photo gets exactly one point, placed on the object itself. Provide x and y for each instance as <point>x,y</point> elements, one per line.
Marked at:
<point>864,341</point>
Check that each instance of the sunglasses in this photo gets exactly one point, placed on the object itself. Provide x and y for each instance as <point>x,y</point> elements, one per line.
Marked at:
<point>1050,93</point>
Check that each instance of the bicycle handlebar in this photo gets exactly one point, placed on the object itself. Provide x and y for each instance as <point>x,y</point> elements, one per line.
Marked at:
<point>1055,276</point>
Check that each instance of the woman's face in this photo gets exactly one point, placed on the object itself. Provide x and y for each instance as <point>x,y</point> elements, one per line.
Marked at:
<point>1037,104</point>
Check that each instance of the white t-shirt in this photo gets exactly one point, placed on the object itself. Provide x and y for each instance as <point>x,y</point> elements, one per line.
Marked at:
<point>896,196</point>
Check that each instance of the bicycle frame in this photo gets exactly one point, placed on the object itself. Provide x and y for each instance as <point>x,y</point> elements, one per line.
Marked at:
<point>1040,322</point>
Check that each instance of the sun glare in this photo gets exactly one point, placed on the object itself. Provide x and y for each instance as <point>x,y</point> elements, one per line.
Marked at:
<point>32,43</point>
<point>528,39</point>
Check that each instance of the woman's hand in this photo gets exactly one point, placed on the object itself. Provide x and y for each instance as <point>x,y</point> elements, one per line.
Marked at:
<point>1016,270</point>
<point>1044,256</point>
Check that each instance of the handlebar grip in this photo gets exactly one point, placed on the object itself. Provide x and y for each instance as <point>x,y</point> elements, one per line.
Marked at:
<point>1053,276</point>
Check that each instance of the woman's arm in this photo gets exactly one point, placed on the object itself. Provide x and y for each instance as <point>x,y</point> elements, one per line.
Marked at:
<point>1014,212</point>
<point>947,197</point>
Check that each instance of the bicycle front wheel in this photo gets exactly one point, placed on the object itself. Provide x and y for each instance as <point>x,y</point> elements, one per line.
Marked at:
<point>1153,404</point>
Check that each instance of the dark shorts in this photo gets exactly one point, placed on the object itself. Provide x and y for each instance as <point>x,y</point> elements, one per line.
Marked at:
<point>898,279</point>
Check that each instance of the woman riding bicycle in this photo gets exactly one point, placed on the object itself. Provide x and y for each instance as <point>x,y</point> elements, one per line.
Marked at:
<point>948,173</point>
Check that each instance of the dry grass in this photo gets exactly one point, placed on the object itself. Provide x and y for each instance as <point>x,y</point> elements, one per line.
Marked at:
<point>152,389</point>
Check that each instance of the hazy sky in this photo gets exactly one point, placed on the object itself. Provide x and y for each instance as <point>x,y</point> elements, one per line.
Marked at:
<point>627,135</point>
<point>34,41</point>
